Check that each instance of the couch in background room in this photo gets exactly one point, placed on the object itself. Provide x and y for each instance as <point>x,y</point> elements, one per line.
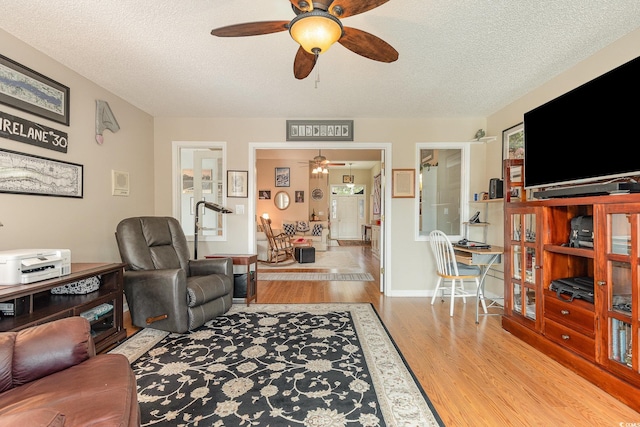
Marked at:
<point>318,231</point>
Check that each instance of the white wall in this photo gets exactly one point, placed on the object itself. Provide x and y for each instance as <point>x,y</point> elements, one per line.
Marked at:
<point>85,226</point>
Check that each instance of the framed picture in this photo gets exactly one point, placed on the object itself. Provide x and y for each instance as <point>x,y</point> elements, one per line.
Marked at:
<point>282,177</point>
<point>264,194</point>
<point>319,130</point>
<point>30,91</point>
<point>403,183</point>
<point>347,179</point>
<point>299,196</point>
<point>513,142</point>
<point>28,174</point>
<point>237,183</point>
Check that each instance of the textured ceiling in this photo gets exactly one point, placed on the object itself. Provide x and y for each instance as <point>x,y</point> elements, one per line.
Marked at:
<point>465,58</point>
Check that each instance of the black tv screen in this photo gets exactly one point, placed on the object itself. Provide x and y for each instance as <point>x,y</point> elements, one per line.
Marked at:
<point>588,134</point>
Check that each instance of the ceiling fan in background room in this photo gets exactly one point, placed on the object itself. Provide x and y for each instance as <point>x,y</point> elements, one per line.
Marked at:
<point>321,165</point>
<point>316,27</point>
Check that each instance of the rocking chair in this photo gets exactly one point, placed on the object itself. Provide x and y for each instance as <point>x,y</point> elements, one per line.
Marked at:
<point>280,247</point>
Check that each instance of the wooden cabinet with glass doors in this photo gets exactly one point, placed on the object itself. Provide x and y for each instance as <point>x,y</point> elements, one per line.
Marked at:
<point>521,270</point>
<point>617,289</point>
<point>595,337</point>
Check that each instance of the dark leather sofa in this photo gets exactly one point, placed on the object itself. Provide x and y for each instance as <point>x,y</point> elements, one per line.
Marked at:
<point>50,375</point>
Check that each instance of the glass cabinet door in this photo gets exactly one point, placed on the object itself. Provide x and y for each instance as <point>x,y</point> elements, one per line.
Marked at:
<point>523,253</point>
<point>619,295</point>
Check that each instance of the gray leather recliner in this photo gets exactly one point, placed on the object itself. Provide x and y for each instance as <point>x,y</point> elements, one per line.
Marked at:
<point>164,288</point>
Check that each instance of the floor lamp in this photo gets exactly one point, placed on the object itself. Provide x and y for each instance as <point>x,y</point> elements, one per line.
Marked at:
<point>214,207</point>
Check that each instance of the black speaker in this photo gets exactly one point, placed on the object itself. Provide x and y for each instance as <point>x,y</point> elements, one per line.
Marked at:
<point>496,188</point>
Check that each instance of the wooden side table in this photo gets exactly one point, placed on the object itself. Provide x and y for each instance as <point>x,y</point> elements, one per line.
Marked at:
<point>252,281</point>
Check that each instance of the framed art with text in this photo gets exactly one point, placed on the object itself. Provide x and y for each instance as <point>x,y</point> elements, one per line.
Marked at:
<point>30,91</point>
<point>319,130</point>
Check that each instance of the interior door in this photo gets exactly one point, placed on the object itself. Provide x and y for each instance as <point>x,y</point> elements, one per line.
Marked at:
<point>348,224</point>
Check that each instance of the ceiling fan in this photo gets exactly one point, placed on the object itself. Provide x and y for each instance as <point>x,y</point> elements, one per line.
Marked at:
<point>321,164</point>
<point>316,27</point>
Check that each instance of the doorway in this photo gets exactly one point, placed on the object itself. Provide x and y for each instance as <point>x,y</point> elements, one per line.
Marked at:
<point>347,216</point>
<point>383,152</point>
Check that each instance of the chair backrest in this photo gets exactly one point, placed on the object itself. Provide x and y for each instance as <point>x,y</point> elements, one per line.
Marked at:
<point>152,243</point>
<point>445,255</point>
<point>266,226</point>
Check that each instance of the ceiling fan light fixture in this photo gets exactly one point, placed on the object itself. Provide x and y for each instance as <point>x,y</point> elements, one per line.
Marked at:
<point>315,31</point>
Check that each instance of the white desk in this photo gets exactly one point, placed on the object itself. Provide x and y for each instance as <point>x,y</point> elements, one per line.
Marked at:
<point>484,258</point>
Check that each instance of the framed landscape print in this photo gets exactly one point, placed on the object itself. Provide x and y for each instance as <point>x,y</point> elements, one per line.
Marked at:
<point>513,142</point>
<point>30,91</point>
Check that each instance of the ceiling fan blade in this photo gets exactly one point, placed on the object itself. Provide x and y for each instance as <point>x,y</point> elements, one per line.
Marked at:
<point>368,45</point>
<point>303,5</point>
<point>344,8</point>
<point>251,29</point>
<point>303,64</point>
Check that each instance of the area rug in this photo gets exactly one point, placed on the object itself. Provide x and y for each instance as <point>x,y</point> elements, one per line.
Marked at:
<point>333,258</point>
<point>335,277</point>
<point>307,365</point>
<point>354,242</point>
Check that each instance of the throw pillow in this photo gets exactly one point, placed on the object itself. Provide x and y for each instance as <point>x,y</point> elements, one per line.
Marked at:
<point>290,229</point>
<point>317,230</point>
<point>302,226</point>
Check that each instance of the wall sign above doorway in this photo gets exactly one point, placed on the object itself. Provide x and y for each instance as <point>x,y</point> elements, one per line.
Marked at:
<point>319,130</point>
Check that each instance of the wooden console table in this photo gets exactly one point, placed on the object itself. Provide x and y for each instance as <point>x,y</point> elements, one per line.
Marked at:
<point>35,304</point>
<point>252,281</point>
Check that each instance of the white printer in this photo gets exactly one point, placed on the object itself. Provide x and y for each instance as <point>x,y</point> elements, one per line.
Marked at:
<point>22,266</point>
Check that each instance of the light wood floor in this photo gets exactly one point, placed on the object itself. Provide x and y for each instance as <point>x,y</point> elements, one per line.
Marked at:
<point>475,375</point>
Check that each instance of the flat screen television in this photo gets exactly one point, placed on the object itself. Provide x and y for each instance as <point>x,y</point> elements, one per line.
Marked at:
<point>589,134</point>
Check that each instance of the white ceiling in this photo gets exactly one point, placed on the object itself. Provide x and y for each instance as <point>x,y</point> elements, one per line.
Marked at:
<point>465,58</point>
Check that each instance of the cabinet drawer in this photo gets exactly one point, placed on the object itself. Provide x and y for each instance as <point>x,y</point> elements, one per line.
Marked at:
<point>572,340</point>
<point>569,314</point>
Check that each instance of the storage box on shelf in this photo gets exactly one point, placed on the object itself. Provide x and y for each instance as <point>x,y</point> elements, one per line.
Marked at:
<point>592,339</point>
<point>39,305</point>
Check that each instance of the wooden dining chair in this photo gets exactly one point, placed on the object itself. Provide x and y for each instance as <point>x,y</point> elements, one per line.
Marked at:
<point>454,272</point>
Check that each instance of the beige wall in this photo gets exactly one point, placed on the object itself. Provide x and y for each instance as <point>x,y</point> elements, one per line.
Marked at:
<point>410,265</point>
<point>616,54</point>
<point>143,148</point>
<point>85,226</point>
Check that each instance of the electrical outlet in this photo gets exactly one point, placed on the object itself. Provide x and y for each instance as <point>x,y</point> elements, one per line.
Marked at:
<point>240,209</point>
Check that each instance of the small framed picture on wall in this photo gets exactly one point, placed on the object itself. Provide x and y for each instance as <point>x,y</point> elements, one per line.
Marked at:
<point>282,177</point>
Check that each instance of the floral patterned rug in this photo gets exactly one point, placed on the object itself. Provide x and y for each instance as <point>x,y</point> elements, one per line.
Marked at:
<point>310,365</point>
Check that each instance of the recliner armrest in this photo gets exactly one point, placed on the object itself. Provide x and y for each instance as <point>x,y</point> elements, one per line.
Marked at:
<point>204,267</point>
